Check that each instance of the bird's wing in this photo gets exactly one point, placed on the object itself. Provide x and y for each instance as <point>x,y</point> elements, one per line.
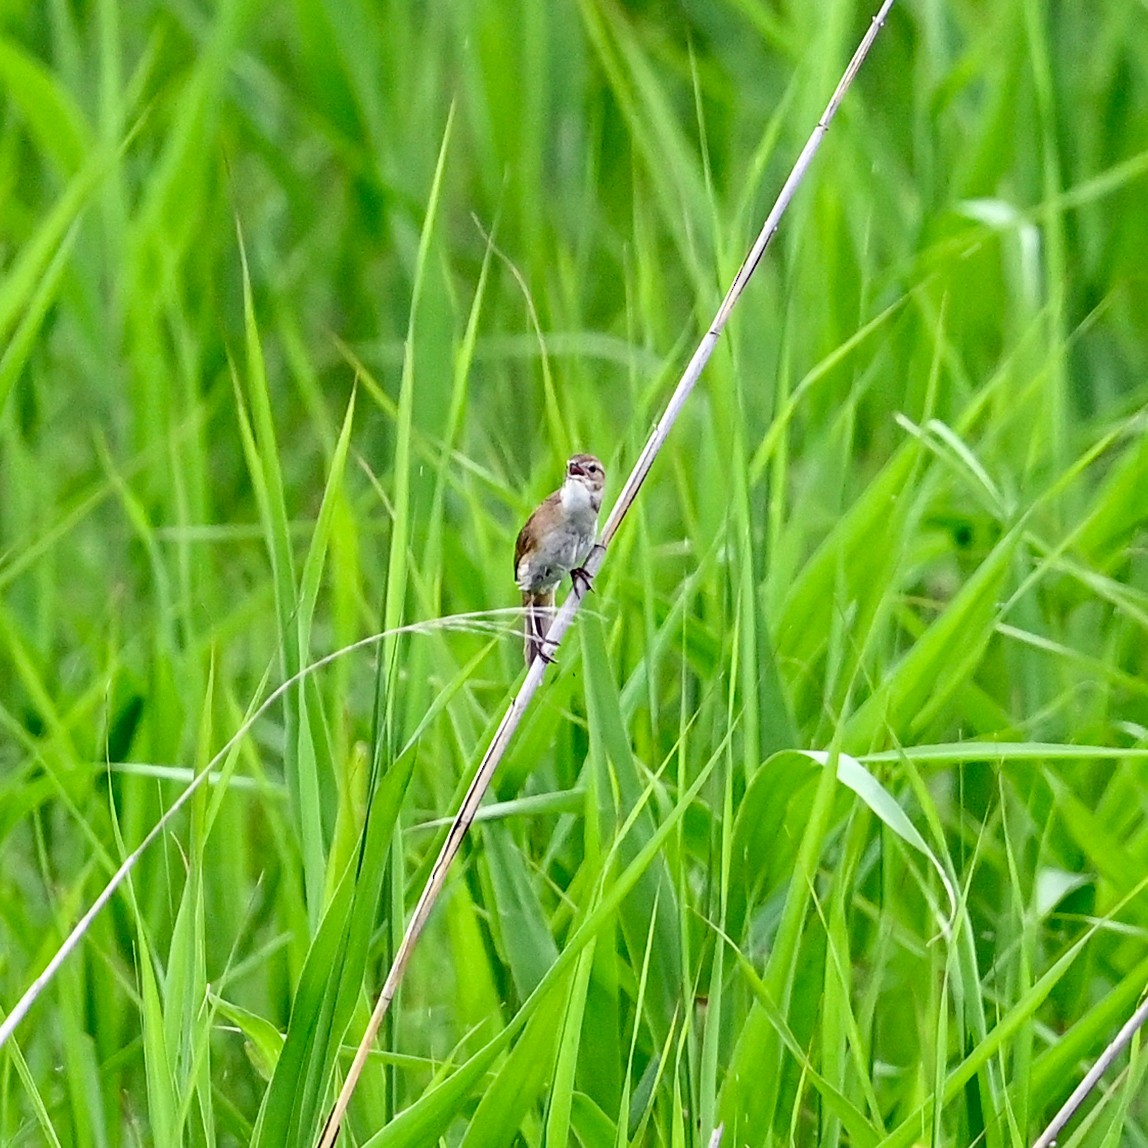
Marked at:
<point>526,536</point>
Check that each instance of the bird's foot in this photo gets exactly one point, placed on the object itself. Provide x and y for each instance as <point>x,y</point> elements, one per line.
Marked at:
<point>537,649</point>
<point>581,579</point>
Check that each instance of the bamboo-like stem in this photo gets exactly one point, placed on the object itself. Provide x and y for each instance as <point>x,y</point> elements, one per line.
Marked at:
<point>1047,1139</point>
<point>72,941</point>
<point>562,622</point>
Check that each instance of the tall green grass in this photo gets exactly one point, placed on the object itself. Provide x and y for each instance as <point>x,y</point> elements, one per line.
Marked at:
<point>303,308</point>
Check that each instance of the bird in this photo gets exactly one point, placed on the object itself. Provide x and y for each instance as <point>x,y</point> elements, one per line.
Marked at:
<point>556,541</point>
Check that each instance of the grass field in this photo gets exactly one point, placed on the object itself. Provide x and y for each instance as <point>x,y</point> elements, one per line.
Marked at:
<point>303,308</point>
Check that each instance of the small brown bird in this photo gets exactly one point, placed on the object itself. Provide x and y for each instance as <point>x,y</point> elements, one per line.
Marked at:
<point>556,541</point>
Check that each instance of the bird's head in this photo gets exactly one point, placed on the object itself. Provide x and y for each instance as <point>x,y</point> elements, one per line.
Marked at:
<point>586,470</point>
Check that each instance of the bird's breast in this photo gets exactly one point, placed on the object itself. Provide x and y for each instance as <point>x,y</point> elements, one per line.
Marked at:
<point>557,551</point>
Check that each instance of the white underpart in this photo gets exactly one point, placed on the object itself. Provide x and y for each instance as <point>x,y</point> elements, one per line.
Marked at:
<point>576,498</point>
<point>567,544</point>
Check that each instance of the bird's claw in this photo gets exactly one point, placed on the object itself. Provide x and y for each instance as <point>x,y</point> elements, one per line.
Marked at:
<point>581,579</point>
<point>538,650</point>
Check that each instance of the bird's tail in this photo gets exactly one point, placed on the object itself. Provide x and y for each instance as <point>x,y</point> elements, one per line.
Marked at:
<point>537,614</point>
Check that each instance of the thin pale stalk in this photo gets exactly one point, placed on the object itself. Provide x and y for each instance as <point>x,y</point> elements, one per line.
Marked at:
<point>1092,1078</point>
<point>562,622</point>
<point>73,939</point>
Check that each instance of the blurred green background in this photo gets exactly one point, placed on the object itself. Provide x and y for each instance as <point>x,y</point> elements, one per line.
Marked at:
<point>905,509</point>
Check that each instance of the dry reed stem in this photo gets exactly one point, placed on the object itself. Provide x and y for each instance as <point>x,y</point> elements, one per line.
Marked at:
<point>562,622</point>
<point>479,619</point>
<point>1047,1139</point>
